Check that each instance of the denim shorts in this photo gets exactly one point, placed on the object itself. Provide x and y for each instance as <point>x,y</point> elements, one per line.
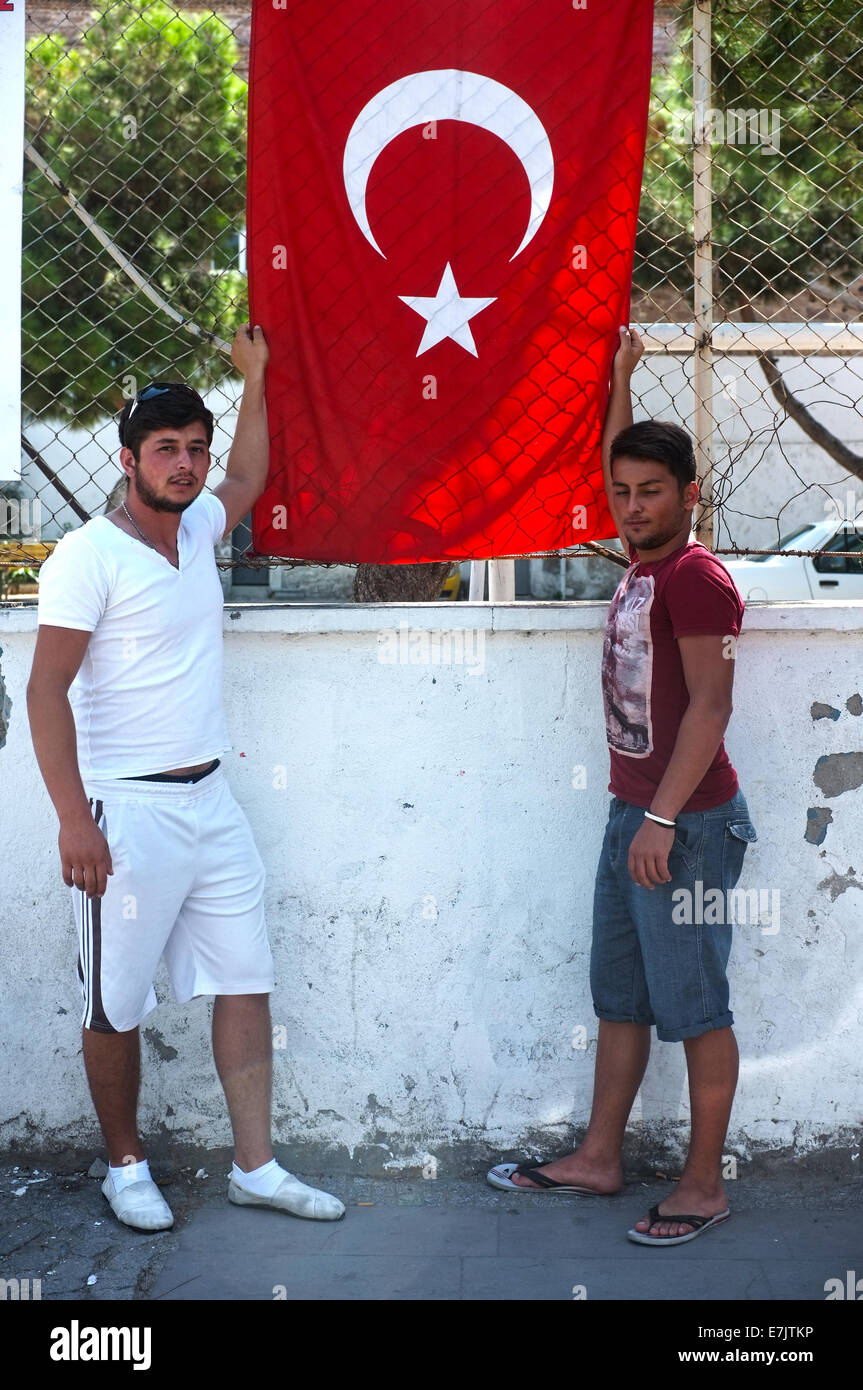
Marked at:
<point>654,959</point>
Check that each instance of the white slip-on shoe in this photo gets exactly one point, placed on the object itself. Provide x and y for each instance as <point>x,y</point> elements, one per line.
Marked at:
<point>139,1204</point>
<point>293,1196</point>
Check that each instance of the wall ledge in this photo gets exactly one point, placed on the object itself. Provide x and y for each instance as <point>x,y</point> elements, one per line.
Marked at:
<point>821,615</point>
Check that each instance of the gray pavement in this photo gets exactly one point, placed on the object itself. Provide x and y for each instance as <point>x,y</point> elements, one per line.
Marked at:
<point>409,1240</point>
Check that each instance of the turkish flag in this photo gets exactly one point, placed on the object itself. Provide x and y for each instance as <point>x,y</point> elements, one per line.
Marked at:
<point>442,209</point>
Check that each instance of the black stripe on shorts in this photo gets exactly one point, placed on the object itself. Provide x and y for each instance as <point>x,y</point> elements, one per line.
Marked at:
<point>91,974</point>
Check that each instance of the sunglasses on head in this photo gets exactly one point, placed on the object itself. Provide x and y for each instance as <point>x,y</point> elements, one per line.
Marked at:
<point>159,388</point>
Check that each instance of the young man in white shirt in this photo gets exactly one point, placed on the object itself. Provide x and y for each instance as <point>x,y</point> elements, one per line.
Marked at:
<point>126,715</point>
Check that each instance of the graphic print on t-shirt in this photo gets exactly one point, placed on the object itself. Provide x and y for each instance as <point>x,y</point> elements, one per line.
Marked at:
<point>627,667</point>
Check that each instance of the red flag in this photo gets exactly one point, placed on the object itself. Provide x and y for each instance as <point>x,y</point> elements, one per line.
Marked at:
<point>442,213</point>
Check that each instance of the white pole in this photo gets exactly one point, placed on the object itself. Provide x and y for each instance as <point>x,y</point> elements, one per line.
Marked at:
<point>703,379</point>
<point>12,114</point>
<point>501,581</point>
<point>476,591</point>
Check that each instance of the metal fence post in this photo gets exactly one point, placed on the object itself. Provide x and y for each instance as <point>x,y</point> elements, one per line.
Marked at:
<point>702,379</point>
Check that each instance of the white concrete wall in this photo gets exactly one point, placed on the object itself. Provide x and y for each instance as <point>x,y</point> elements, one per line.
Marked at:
<point>429,894</point>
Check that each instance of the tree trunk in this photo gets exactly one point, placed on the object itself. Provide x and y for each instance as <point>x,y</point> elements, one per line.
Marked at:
<point>798,412</point>
<point>400,583</point>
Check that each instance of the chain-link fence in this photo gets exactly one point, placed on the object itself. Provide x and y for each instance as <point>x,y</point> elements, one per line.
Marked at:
<point>747,281</point>
<point>751,238</point>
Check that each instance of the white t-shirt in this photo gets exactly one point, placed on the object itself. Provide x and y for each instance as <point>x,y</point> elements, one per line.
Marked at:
<point>148,695</point>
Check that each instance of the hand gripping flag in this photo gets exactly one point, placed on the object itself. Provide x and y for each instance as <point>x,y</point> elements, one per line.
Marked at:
<point>442,212</point>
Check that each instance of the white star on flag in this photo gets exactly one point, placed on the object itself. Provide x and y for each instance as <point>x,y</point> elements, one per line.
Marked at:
<point>447,315</point>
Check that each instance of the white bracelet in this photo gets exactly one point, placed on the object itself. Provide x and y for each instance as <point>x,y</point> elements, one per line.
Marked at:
<point>660,820</point>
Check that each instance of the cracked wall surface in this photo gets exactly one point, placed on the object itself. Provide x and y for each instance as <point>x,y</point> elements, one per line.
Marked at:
<point>5,707</point>
<point>834,773</point>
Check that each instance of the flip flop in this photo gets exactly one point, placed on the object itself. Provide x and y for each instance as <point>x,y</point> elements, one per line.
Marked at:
<point>701,1224</point>
<point>501,1176</point>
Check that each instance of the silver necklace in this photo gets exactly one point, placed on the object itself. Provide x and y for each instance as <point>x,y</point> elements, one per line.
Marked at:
<point>137,527</point>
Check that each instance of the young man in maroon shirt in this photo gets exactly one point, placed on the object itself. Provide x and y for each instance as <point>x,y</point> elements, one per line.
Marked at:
<point>678,820</point>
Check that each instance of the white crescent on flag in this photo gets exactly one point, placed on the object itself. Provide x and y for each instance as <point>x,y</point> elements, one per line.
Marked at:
<point>442,94</point>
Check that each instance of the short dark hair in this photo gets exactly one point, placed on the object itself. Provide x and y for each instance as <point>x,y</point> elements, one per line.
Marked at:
<point>171,403</point>
<point>660,440</point>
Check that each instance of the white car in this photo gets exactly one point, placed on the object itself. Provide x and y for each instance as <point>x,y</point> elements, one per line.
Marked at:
<point>837,572</point>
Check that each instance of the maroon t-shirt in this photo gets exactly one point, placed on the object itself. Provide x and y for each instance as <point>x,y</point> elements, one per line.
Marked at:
<point>687,593</point>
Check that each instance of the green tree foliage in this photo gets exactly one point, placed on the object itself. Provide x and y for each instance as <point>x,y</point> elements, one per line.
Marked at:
<point>144,120</point>
<point>781,219</point>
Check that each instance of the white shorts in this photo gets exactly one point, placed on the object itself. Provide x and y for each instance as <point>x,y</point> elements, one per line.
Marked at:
<point>188,883</point>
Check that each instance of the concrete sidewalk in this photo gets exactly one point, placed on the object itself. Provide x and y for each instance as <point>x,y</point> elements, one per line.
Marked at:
<point>449,1239</point>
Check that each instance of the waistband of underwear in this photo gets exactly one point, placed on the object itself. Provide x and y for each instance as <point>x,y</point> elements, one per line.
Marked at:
<point>156,787</point>
<point>173,777</point>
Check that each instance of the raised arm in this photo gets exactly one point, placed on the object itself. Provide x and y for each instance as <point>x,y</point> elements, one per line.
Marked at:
<point>249,459</point>
<point>84,855</point>
<point>618,415</point>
